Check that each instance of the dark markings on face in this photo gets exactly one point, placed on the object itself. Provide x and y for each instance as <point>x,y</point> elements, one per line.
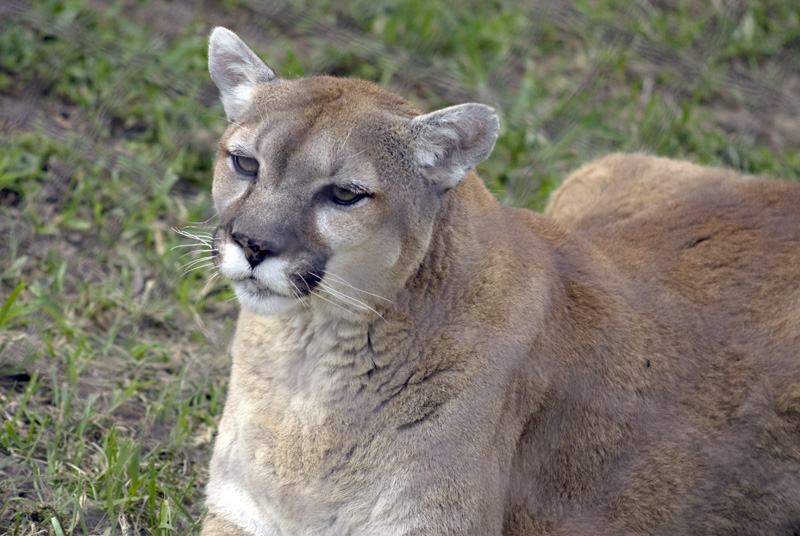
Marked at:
<point>307,280</point>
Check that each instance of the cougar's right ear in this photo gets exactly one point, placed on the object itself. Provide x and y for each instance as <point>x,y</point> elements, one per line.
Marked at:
<point>236,70</point>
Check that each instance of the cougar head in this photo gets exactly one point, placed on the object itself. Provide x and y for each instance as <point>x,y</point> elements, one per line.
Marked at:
<point>328,187</point>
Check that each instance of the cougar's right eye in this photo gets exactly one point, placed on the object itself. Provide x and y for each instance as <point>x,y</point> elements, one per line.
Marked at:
<point>245,165</point>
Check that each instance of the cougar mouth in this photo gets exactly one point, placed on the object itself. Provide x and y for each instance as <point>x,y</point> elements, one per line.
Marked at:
<point>296,284</point>
<point>257,289</point>
<point>256,297</point>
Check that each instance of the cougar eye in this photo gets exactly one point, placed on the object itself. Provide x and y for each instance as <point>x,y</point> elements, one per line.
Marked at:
<point>245,165</point>
<point>343,196</point>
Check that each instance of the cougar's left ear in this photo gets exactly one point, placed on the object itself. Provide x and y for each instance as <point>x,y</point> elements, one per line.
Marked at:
<point>448,143</point>
<point>236,70</point>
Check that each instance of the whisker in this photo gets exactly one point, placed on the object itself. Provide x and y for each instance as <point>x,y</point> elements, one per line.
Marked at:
<point>199,245</point>
<point>331,302</point>
<point>356,154</point>
<point>346,138</point>
<point>213,277</point>
<point>350,300</point>
<point>323,298</point>
<point>192,223</point>
<point>209,258</point>
<point>298,294</point>
<point>199,231</point>
<point>200,237</point>
<point>196,243</point>
<point>204,257</point>
<point>204,268</point>
<point>209,283</point>
<point>194,246</point>
<point>181,230</point>
<point>341,280</point>
<point>199,267</point>
<point>341,295</point>
<point>336,294</point>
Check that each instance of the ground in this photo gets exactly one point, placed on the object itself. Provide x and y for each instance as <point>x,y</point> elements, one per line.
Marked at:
<point>113,330</point>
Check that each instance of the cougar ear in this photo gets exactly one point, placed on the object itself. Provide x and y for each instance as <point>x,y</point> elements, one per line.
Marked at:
<point>236,70</point>
<point>448,143</point>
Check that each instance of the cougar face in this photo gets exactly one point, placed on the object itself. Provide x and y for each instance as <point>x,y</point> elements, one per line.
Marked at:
<point>305,213</point>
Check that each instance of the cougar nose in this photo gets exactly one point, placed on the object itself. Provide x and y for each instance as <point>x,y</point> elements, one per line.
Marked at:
<point>255,250</point>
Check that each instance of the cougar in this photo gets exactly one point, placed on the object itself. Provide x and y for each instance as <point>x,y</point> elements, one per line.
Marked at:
<point>414,358</point>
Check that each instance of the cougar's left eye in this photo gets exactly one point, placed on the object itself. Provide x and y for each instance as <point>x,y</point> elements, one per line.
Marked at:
<point>245,165</point>
<point>343,196</point>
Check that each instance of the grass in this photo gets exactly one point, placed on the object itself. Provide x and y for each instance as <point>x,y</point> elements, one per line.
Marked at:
<point>113,355</point>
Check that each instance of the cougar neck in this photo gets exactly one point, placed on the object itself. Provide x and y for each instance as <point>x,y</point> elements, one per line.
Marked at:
<point>454,246</point>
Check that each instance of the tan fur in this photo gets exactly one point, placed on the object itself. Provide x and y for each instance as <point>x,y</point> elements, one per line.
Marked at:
<point>634,369</point>
<point>619,186</point>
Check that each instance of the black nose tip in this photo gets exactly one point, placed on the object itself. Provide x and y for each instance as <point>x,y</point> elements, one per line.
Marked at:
<point>255,250</point>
